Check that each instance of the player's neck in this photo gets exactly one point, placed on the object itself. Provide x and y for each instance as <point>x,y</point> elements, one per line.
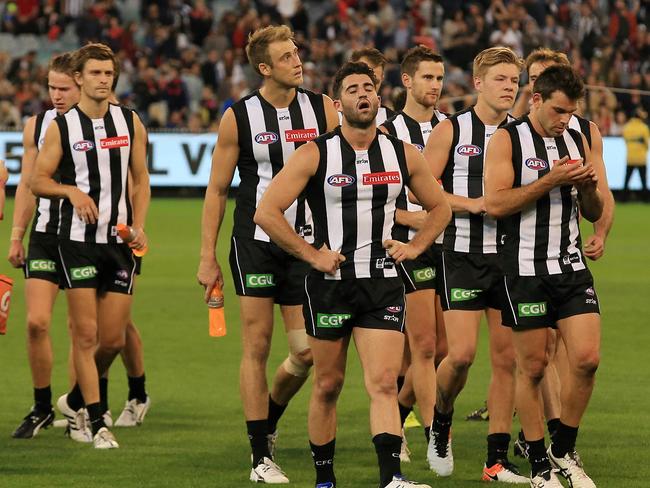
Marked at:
<point>94,109</point>
<point>276,95</point>
<point>487,114</point>
<point>537,127</point>
<point>359,139</point>
<point>417,111</point>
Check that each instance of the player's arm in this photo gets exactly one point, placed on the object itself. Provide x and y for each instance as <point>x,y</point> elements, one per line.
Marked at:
<point>24,203</point>
<point>140,175</point>
<point>224,162</point>
<point>43,185</point>
<point>589,196</point>
<point>331,113</point>
<point>284,189</point>
<point>432,198</point>
<point>501,199</point>
<point>436,152</point>
<point>522,105</point>
<point>594,245</point>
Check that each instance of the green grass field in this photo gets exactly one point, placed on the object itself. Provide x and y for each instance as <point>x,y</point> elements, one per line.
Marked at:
<point>194,434</point>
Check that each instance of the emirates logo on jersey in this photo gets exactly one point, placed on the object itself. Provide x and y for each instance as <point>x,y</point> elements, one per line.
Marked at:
<point>385,178</point>
<point>536,164</point>
<point>340,180</point>
<point>469,150</point>
<point>83,146</point>
<point>266,138</point>
<point>300,135</point>
<point>112,142</point>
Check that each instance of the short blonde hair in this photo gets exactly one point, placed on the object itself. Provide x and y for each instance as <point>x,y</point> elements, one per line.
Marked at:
<point>546,56</point>
<point>257,49</point>
<point>493,56</point>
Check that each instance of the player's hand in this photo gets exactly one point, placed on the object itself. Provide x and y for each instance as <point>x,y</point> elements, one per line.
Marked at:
<point>208,275</point>
<point>139,242</point>
<point>326,260</point>
<point>400,251</point>
<point>16,254</point>
<point>566,171</point>
<point>594,247</point>
<point>477,205</point>
<point>587,182</point>
<point>84,206</point>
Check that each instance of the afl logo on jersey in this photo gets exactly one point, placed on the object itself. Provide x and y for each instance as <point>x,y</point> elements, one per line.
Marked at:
<point>340,180</point>
<point>469,150</point>
<point>536,164</point>
<point>266,138</point>
<point>83,146</point>
<point>419,147</point>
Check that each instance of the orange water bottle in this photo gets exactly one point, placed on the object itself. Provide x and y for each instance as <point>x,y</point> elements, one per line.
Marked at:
<point>127,234</point>
<point>216,315</point>
<point>5,298</point>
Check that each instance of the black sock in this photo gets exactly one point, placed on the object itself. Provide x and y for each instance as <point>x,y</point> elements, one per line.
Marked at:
<point>75,398</point>
<point>497,448</point>
<point>521,436</point>
<point>564,440</point>
<point>537,456</point>
<point>400,382</point>
<point>324,461</point>
<point>275,412</point>
<point>441,421</point>
<point>427,432</point>
<point>43,399</point>
<point>257,432</point>
<point>403,413</point>
<point>96,417</point>
<point>552,426</point>
<point>136,388</point>
<point>387,447</point>
<point>103,393</point>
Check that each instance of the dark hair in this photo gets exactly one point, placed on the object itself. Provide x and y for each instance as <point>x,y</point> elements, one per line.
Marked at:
<point>62,64</point>
<point>351,68</point>
<point>95,51</point>
<point>559,78</point>
<point>415,56</point>
<point>372,54</point>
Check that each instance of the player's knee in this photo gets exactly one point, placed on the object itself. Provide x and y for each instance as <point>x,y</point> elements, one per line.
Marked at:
<point>424,347</point>
<point>384,383</point>
<point>257,351</point>
<point>112,345</point>
<point>327,388</point>
<point>587,363</point>
<point>38,326</point>
<point>300,358</point>
<point>85,339</point>
<point>534,369</point>
<point>461,360</point>
<point>504,362</point>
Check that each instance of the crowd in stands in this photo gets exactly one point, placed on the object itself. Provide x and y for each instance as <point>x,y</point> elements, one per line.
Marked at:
<point>183,62</point>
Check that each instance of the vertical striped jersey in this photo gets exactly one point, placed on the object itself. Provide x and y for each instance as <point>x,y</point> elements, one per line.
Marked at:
<point>46,218</point>
<point>417,133</point>
<point>353,196</point>
<point>96,158</point>
<point>544,238</point>
<point>581,125</point>
<point>463,176</point>
<point>267,137</point>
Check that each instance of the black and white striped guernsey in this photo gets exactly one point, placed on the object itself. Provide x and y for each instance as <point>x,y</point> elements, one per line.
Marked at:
<point>463,176</point>
<point>581,125</point>
<point>417,133</point>
<point>46,218</point>
<point>352,197</point>
<point>267,137</point>
<point>544,238</point>
<point>96,157</point>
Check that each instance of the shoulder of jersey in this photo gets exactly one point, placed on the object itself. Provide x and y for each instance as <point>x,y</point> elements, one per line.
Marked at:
<point>458,114</point>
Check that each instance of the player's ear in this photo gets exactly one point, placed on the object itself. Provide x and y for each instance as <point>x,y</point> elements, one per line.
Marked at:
<point>337,105</point>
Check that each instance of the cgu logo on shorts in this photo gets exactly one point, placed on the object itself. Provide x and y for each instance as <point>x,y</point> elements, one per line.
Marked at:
<point>111,142</point>
<point>332,320</point>
<point>84,273</point>
<point>424,274</point>
<point>83,146</point>
<point>536,164</point>
<point>469,150</point>
<point>383,178</point>
<point>259,280</point>
<point>340,180</point>
<point>532,309</point>
<point>42,265</point>
<point>300,135</point>
<point>462,294</point>
<point>266,138</point>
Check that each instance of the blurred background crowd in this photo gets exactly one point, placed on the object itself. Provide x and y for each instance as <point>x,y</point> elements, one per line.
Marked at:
<point>183,62</point>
